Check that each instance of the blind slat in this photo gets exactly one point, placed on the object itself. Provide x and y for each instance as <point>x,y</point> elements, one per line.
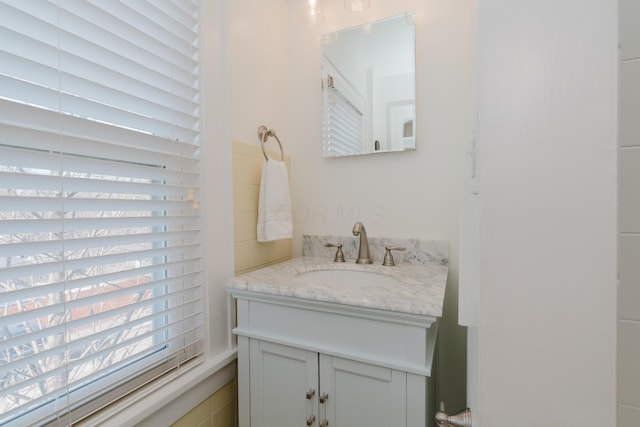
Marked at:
<point>53,161</point>
<point>95,224</point>
<point>92,187</point>
<point>46,290</point>
<point>59,266</point>
<point>99,242</point>
<point>78,132</point>
<point>53,204</point>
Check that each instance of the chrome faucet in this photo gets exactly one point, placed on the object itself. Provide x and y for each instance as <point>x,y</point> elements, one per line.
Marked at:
<point>363,251</point>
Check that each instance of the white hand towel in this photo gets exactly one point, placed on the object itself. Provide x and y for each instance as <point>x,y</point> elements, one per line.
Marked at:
<point>274,205</point>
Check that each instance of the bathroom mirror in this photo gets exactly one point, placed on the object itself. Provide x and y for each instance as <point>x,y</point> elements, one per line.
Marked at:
<point>368,88</point>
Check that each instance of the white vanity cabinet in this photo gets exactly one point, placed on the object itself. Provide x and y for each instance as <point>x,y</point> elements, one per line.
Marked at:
<point>319,363</point>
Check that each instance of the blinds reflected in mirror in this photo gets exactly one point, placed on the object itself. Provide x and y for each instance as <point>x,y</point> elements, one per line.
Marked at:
<point>342,122</point>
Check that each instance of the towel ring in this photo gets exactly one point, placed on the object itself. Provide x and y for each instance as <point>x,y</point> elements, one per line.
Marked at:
<point>264,133</point>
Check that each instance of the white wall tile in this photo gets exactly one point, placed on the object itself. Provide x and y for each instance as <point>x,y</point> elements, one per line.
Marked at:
<point>629,363</point>
<point>628,416</point>
<point>629,270</point>
<point>629,28</point>
<point>629,216</point>
<point>629,190</point>
<point>629,132</point>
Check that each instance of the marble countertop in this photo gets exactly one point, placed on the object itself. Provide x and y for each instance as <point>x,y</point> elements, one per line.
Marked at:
<point>420,291</point>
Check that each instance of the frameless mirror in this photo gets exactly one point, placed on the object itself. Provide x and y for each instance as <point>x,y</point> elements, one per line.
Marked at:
<point>368,88</point>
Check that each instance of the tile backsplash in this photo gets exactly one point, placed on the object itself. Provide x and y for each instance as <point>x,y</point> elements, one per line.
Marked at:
<point>628,383</point>
<point>247,170</point>
<point>218,410</point>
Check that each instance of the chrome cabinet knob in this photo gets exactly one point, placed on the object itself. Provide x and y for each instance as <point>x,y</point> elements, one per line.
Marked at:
<point>324,423</point>
<point>311,393</point>
<point>310,420</point>
<point>324,397</point>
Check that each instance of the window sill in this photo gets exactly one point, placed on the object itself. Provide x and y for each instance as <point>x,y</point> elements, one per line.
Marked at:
<point>172,397</point>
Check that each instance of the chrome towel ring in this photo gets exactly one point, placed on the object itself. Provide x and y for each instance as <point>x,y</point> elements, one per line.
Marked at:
<point>265,133</point>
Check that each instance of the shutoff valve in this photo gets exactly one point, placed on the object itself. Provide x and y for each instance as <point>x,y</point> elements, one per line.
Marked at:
<point>462,419</point>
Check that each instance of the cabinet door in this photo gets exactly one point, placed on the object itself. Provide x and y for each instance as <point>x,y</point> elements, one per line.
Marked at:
<point>361,395</point>
<point>280,378</point>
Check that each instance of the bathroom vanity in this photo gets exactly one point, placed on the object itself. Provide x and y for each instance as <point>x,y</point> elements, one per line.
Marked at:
<point>337,344</point>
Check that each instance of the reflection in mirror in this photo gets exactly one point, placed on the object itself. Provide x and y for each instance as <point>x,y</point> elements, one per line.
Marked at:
<point>368,88</point>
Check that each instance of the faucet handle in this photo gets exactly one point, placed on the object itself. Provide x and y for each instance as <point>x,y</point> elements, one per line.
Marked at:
<point>388,258</point>
<point>339,254</point>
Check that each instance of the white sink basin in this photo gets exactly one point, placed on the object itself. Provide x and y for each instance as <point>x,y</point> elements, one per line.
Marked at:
<point>348,278</point>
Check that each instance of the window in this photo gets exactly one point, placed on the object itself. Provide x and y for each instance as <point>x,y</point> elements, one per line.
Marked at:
<point>100,272</point>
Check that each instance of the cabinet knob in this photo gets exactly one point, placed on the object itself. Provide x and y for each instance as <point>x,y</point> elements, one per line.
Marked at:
<point>311,393</point>
<point>310,420</point>
<point>324,423</point>
<point>324,397</point>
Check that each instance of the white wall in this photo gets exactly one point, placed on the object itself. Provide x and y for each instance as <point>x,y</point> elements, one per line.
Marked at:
<point>409,194</point>
<point>546,338</point>
<point>258,68</point>
<point>629,218</point>
<point>216,172</point>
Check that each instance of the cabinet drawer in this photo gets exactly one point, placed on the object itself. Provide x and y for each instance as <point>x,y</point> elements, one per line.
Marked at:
<point>362,335</point>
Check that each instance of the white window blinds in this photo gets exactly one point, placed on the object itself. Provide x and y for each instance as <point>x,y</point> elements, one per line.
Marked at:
<point>100,269</point>
<point>343,123</point>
